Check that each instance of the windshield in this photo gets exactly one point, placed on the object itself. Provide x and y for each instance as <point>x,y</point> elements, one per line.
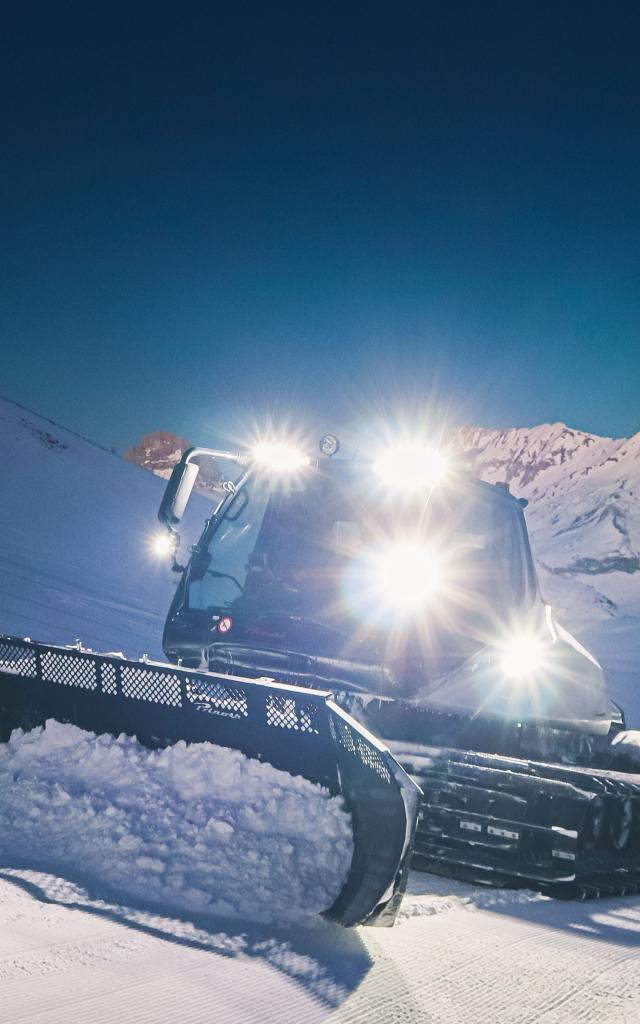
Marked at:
<point>311,548</point>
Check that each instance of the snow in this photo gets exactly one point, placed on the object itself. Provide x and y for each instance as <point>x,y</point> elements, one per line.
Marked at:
<point>616,644</point>
<point>196,828</point>
<point>75,557</point>
<point>118,886</point>
<point>583,513</point>
<point>459,955</point>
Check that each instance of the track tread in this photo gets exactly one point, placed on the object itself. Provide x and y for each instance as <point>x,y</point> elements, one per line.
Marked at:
<point>493,820</point>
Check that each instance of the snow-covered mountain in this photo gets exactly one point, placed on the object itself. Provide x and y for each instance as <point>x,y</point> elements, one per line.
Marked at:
<point>583,513</point>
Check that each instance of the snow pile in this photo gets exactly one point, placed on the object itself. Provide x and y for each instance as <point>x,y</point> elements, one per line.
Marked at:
<point>196,828</point>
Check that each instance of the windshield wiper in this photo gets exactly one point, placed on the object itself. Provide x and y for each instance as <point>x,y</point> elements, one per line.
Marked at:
<point>225,576</point>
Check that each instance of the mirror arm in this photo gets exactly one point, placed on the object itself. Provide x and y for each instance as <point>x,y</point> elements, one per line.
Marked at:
<point>242,458</point>
<point>182,480</point>
<point>175,542</point>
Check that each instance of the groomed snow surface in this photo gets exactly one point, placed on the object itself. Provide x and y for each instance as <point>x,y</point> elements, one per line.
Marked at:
<point>195,828</point>
<point>457,956</point>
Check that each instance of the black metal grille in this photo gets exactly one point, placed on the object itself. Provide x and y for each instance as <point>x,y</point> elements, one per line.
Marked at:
<point>344,736</point>
<point>370,756</point>
<point>146,684</point>
<point>108,675</point>
<point>309,718</point>
<point>360,748</point>
<point>69,670</point>
<point>286,713</point>
<point>217,699</point>
<point>19,661</point>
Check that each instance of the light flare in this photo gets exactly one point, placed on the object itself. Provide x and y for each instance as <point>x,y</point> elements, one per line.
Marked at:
<point>280,456</point>
<point>411,467</point>
<point>162,544</point>
<point>397,580</point>
<point>523,656</point>
<point>408,574</point>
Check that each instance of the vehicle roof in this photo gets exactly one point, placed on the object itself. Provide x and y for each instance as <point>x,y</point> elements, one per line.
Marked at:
<point>460,478</point>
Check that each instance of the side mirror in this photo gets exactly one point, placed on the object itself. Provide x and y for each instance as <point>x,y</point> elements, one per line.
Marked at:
<point>177,492</point>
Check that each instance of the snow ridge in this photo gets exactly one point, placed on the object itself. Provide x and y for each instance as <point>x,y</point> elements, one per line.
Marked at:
<point>584,507</point>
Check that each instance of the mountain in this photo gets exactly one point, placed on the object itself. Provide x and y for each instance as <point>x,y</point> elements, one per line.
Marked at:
<point>158,452</point>
<point>583,513</point>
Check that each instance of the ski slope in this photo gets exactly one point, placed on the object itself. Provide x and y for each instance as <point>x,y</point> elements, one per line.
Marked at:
<point>93,946</point>
<point>75,528</point>
<point>457,955</point>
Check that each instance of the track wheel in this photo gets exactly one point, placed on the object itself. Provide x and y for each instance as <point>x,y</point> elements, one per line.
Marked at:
<point>593,825</point>
<point>536,849</point>
<point>621,825</point>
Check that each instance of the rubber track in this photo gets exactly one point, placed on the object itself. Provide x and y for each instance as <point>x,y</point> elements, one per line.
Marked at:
<point>568,832</point>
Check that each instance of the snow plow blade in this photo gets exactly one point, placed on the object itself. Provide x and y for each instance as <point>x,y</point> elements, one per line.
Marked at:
<point>299,731</point>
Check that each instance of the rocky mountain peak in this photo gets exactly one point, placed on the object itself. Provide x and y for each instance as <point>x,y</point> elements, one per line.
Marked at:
<point>158,452</point>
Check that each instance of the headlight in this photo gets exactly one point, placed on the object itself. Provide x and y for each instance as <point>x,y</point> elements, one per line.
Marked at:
<point>407,575</point>
<point>284,457</point>
<point>162,544</point>
<point>523,656</point>
<point>411,468</point>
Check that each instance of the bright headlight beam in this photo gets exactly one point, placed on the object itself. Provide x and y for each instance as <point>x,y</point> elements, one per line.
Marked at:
<point>523,656</point>
<point>161,544</point>
<point>407,575</point>
<point>411,467</point>
<point>279,456</point>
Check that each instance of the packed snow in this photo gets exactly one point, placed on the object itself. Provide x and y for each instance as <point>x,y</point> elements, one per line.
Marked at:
<point>458,954</point>
<point>196,828</point>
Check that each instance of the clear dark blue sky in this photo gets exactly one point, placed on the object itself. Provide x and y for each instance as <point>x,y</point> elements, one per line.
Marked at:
<point>216,212</point>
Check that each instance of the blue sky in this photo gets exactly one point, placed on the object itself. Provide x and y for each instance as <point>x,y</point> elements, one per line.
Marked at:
<point>321,213</point>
